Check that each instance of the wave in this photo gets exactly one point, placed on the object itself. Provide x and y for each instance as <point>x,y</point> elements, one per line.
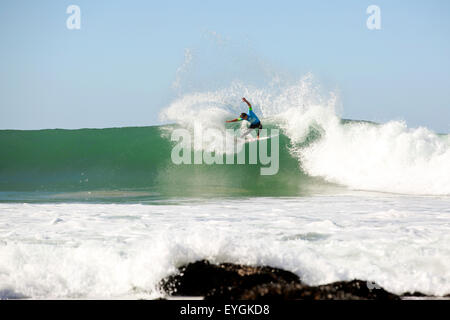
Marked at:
<point>360,155</point>
<point>133,162</point>
<point>318,152</point>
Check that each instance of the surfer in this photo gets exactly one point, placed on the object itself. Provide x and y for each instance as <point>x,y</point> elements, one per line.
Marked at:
<point>250,117</point>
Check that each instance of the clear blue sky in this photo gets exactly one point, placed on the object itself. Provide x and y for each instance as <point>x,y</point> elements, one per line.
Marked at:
<point>118,69</point>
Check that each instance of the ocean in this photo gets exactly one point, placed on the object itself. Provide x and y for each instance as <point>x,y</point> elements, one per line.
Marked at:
<point>106,213</point>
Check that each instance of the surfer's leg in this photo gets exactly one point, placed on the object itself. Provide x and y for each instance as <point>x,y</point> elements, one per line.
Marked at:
<point>246,133</point>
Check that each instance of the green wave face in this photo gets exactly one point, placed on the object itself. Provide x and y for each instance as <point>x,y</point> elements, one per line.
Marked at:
<point>125,163</point>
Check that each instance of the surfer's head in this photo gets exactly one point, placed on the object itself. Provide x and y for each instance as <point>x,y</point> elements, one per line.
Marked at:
<point>244,116</point>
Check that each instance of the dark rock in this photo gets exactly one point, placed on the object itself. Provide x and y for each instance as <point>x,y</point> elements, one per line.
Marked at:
<point>414,294</point>
<point>224,280</point>
<point>240,282</point>
<point>355,289</point>
<point>343,290</point>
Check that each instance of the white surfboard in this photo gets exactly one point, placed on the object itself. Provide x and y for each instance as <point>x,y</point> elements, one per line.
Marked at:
<point>260,138</point>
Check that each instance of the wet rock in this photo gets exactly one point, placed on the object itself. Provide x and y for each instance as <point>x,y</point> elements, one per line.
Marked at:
<point>414,294</point>
<point>223,280</point>
<point>343,290</point>
<point>241,282</point>
<point>355,289</point>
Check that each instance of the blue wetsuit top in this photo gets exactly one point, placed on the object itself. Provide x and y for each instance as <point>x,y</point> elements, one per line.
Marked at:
<point>251,117</point>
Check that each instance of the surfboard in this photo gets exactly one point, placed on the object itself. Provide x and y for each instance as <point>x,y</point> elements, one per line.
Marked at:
<point>260,138</point>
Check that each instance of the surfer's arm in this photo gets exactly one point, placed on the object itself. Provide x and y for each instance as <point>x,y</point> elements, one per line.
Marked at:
<point>249,105</point>
<point>234,120</point>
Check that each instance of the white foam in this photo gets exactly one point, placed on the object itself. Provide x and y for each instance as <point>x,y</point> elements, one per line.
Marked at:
<point>388,158</point>
<point>122,251</point>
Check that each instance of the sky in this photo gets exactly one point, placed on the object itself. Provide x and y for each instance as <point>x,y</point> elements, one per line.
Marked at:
<point>119,68</point>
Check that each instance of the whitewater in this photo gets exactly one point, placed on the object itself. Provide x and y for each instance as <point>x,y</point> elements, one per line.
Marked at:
<point>104,213</point>
<point>122,251</point>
